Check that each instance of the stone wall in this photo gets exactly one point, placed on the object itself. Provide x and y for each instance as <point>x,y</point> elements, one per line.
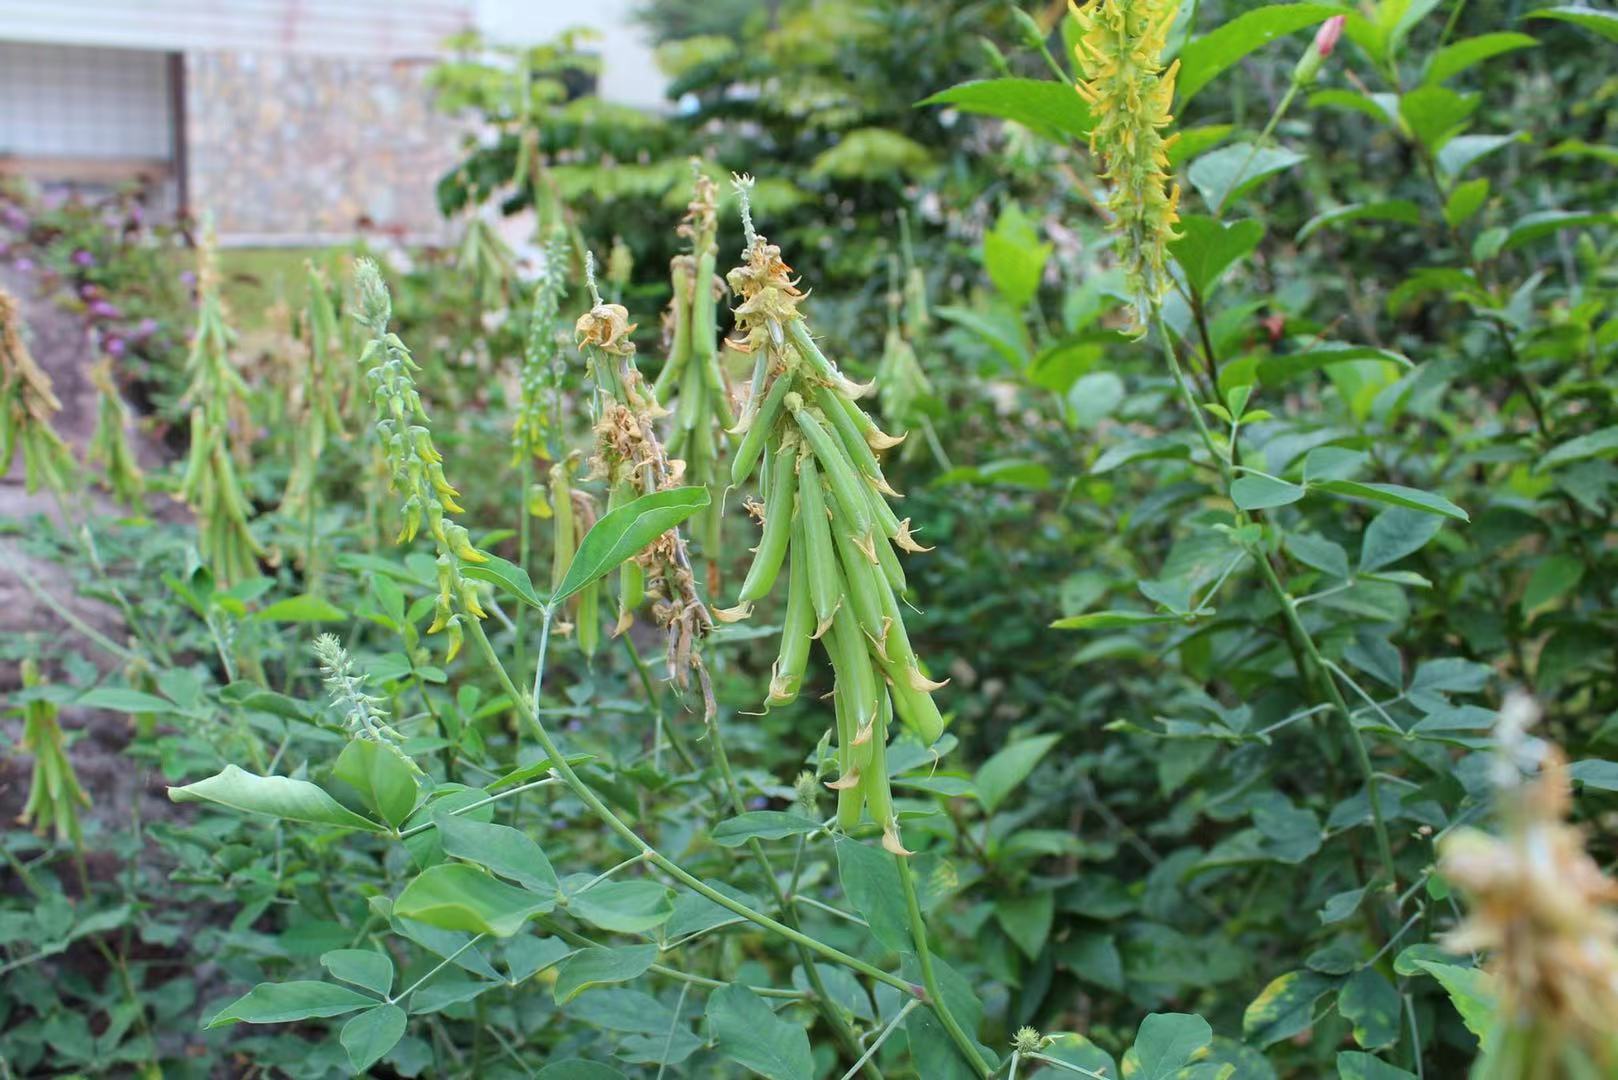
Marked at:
<point>292,149</point>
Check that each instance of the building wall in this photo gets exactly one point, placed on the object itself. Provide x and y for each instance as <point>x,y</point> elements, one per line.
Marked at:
<point>288,148</point>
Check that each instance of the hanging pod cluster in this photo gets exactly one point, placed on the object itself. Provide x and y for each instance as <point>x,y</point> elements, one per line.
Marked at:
<point>220,426</point>
<point>323,387</point>
<point>826,519</point>
<point>415,465</point>
<point>692,378</point>
<point>572,516</point>
<point>27,404</point>
<point>109,445</point>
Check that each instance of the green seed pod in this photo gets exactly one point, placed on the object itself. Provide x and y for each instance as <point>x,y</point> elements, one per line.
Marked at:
<point>797,627</point>
<point>587,619</point>
<point>875,437</point>
<point>851,657</point>
<point>679,348</point>
<point>845,482</point>
<point>755,392</point>
<point>862,582</point>
<point>562,531</point>
<point>757,436</point>
<point>849,436</point>
<point>874,778</point>
<point>772,544</point>
<point>850,796</point>
<point>825,579</point>
<point>798,332</point>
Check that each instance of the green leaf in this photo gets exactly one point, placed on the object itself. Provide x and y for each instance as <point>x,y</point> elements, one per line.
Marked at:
<point>1393,534</point>
<point>1112,620</point>
<point>1604,23</point>
<point>1463,151</point>
<point>625,907</point>
<point>871,883</point>
<point>1277,369</point>
<point>122,699</point>
<point>1196,141</point>
<point>626,531</point>
<point>578,1069</point>
<point>455,896</point>
<point>1254,491</point>
<point>1026,920</point>
<point>1553,577</point>
<point>1451,60</point>
<point>1436,114</point>
<point>1224,174</point>
<point>1143,449</point>
<point>507,851</point>
<point>277,796</point>
<point>1401,210</point>
<point>304,608</point>
<point>1371,1005</point>
<point>369,968</point>
<point>1284,1007</point>
<point>1203,59</point>
<point>1014,256</point>
<point>1358,1065</point>
<point>1469,992</point>
<point>1054,109</point>
<point>509,576</point>
<point>1539,225</point>
<point>750,1034</point>
<point>1165,1044</point>
<point>1395,495</point>
<point>598,966</point>
<point>1601,443</point>
<point>381,777</point>
<point>282,1003</point>
<point>1206,248</point>
<point>763,824</point>
<point>372,1034</point>
<point>1007,769</point>
<point>1595,773</point>
<point>1465,200</point>
<point>1340,906</point>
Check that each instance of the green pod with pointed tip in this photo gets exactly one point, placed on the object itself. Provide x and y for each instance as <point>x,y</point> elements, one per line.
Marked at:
<point>851,657</point>
<point>825,579</point>
<point>797,627</point>
<point>758,432</point>
<point>845,483</point>
<point>874,782</point>
<point>772,544</point>
<point>679,351</point>
<point>862,580</point>
<point>849,435</point>
<point>587,619</point>
<point>850,799</point>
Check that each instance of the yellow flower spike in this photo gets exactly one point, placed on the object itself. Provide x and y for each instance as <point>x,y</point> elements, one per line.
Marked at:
<point>1129,94</point>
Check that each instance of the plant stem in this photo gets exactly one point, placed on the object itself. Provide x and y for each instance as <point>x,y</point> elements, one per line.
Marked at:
<point>876,1044</point>
<point>1263,136</point>
<point>929,980</point>
<point>587,795</point>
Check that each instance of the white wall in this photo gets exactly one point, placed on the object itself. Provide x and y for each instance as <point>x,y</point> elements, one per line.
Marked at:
<point>628,74</point>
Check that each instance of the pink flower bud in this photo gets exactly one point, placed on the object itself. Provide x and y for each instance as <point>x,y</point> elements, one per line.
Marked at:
<point>1327,36</point>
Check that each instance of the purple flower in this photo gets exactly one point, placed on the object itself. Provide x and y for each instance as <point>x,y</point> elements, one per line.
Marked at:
<point>82,257</point>
<point>757,802</point>
<point>146,327</point>
<point>115,346</point>
<point>15,219</point>
<point>103,309</point>
<point>24,264</point>
<point>188,279</point>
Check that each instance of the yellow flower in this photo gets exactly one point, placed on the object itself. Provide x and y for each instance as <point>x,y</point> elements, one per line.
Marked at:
<point>1129,93</point>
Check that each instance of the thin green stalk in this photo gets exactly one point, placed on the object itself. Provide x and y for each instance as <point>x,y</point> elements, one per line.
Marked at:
<point>593,802</point>
<point>865,1059</point>
<point>1263,136</point>
<point>935,998</point>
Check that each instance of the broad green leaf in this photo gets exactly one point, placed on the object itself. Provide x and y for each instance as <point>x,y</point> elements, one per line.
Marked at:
<point>1554,577</point>
<point>509,576</point>
<point>1027,920</point>
<point>455,896</point>
<point>1284,1008</point>
<point>1539,225</point>
<point>1014,256</point>
<point>1371,1005</point>
<point>1393,534</point>
<point>1340,906</point>
<point>624,907</point>
<point>1051,108</point>
<point>1225,174</point>
<point>507,851</point>
<point>304,608</point>
<point>1203,59</point>
<point>1277,369</point>
<point>283,1003</point>
<point>1463,151</point>
<point>1465,200</point>
<point>1076,1049</point>
<point>871,883</point>
<point>1382,108</point>
<point>1395,495</point>
<point>1602,22</point>
<point>624,532</point>
<point>277,796</point>
<point>369,968</point>
<point>1144,449</point>
<point>1358,1065</point>
<point>1196,141</point>
<point>372,1034</point>
<point>1007,769</point>
<point>527,955</point>
<point>598,966</point>
<point>1253,491</point>
<point>1401,210</point>
<point>1206,248</point>
<point>1595,773</point>
<point>1601,443</point>
<point>750,1034</point>
<point>1165,1044</point>
<point>122,699</point>
<point>1451,60</point>
<point>763,824</point>
<point>381,776</point>
<point>1436,114</point>
<point>1469,992</point>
